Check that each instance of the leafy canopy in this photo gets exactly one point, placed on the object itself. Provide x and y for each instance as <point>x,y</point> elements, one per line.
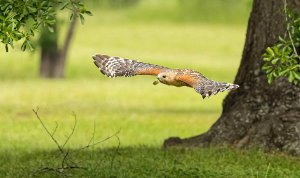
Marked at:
<point>283,58</point>
<point>20,19</point>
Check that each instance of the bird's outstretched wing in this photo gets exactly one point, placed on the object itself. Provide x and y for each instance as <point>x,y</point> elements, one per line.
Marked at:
<point>201,84</point>
<point>117,66</point>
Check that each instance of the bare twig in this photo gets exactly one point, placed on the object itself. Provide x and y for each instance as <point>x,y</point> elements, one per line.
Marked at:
<point>288,29</point>
<point>93,136</point>
<point>64,160</point>
<point>72,132</point>
<point>46,129</point>
<point>54,131</point>
<point>66,155</point>
<point>96,143</point>
<point>115,152</point>
<point>58,171</point>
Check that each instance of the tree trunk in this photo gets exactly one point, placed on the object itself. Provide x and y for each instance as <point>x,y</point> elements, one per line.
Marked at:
<point>257,114</point>
<point>49,52</point>
<point>53,59</point>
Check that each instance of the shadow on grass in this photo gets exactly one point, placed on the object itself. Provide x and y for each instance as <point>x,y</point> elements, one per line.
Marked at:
<point>150,162</point>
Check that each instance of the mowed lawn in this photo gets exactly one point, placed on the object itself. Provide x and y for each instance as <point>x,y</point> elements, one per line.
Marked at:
<point>143,114</point>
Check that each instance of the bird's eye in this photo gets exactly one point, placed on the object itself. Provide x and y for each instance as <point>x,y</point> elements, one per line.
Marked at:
<point>164,76</point>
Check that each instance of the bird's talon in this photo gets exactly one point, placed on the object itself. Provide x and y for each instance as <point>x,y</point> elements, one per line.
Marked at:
<point>155,82</point>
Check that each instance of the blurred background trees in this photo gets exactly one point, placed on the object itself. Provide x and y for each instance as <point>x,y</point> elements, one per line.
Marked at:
<point>53,57</point>
<point>20,20</point>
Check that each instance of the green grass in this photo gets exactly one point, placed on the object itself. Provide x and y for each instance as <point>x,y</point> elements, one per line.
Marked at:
<point>154,162</point>
<point>175,11</point>
<point>144,114</point>
<point>129,104</point>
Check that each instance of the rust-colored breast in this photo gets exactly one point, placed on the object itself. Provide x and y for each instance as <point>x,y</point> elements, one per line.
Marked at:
<point>186,79</point>
<point>189,77</point>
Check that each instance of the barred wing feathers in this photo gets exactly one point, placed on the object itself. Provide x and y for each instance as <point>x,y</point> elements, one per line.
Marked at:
<point>116,66</point>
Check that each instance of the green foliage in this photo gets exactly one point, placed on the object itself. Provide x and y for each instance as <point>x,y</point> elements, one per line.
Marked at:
<point>283,59</point>
<point>49,39</point>
<point>20,19</point>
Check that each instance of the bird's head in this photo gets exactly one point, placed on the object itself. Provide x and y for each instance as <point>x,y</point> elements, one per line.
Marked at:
<point>166,77</point>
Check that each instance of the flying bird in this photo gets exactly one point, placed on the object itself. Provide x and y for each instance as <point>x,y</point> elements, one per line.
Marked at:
<point>118,67</point>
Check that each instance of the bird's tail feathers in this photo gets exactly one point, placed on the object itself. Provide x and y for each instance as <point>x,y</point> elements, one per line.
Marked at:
<point>213,87</point>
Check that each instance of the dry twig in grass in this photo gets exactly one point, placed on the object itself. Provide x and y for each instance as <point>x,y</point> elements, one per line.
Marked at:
<point>66,162</point>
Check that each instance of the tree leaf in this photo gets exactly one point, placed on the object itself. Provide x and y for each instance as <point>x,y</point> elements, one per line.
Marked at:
<point>71,17</point>
<point>281,39</point>
<point>283,72</point>
<point>267,59</point>
<point>81,18</point>
<point>89,13</point>
<point>270,79</point>
<point>291,76</point>
<point>64,5</point>
<point>274,61</point>
<point>50,29</point>
<point>266,67</point>
<point>30,46</point>
<point>23,47</point>
<point>296,75</point>
<point>270,51</point>
<point>31,9</point>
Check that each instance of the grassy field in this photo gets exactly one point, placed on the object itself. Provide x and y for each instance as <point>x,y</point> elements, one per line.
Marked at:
<point>143,114</point>
<point>154,162</point>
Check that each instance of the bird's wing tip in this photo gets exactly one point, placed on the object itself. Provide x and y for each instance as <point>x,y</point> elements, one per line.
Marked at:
<point>94,56</point>
<point>235,86</point>
<point>99,57</point>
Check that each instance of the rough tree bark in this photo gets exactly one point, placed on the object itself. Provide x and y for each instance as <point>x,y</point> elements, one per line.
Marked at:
<point>257,114</point>
<point>53,59</point>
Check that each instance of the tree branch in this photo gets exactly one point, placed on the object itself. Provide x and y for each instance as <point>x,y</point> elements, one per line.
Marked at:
<point>68,38</point>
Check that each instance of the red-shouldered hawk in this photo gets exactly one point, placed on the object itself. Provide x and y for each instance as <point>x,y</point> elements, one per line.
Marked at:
<point>117,66</point>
